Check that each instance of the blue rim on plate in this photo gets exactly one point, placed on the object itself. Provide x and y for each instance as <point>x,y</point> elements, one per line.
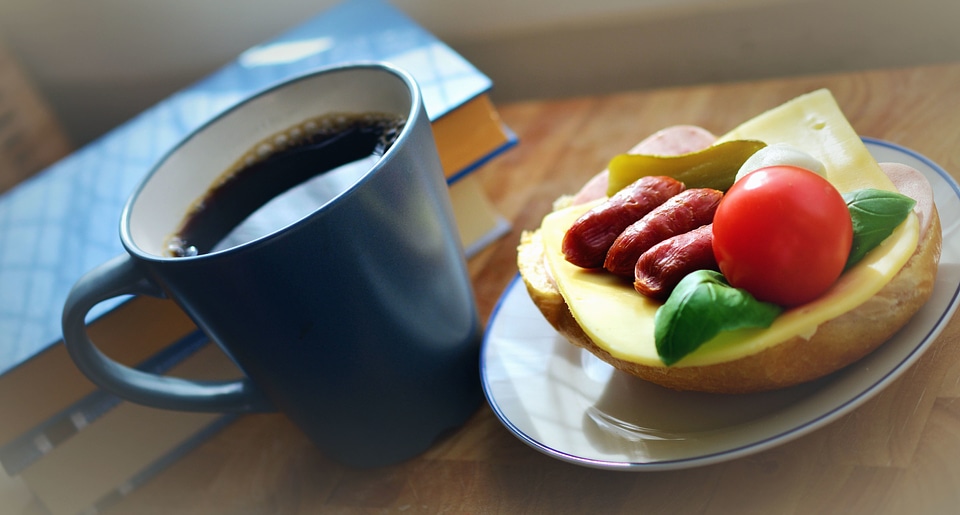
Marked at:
<point>564,402</point>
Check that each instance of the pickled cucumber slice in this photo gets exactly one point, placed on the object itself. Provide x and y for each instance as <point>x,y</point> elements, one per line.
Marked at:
<point>713,167</point>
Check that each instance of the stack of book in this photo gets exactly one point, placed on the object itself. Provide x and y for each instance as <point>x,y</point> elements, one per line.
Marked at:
<point>78,448</point>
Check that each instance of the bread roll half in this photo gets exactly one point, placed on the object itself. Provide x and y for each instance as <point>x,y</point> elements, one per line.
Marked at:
<point>835,344</point>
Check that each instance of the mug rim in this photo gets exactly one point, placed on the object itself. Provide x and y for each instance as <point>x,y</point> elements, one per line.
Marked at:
<point>415,111</point>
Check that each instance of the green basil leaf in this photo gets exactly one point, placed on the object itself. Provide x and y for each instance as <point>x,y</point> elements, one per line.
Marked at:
<point>875,214</point>
<point>701,306</point>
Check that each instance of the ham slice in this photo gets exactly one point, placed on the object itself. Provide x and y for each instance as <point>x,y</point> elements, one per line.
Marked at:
<point>913,184</point>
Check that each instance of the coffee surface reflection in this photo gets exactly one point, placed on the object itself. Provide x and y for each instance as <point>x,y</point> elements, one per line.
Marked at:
<point>284,178</point>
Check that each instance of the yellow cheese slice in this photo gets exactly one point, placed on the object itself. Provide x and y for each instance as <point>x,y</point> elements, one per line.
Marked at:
<point>814,123</point>
<point>620,320</point>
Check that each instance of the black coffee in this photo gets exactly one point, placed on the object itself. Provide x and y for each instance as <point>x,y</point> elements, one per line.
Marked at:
<point>284,178</point>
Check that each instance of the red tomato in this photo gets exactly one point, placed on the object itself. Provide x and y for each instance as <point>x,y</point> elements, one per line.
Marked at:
<point>782,233</point>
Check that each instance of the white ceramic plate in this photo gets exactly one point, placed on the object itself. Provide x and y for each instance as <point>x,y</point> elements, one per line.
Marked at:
<point>566,403</point>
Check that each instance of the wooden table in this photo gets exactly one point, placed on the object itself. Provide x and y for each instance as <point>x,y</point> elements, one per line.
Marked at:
<point>899,453</point>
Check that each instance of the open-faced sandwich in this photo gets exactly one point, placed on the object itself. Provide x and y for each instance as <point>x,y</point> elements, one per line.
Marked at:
<point>773,255</point>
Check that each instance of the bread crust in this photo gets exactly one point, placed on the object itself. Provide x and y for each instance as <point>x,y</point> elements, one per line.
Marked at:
<point>835,344</point>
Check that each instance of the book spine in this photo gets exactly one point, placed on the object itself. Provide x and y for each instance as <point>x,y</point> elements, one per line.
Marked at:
<point>29,447</point>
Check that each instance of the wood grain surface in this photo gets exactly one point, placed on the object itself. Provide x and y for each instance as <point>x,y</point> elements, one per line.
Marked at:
<point>899,453</point>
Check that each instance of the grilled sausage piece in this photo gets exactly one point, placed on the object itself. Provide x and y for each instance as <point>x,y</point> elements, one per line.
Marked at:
<point>663,266</point>
<point>681,213</point>
<point>586,242</point>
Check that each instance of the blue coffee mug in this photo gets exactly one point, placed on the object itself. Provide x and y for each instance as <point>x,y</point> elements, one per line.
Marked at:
<point>358,320</point>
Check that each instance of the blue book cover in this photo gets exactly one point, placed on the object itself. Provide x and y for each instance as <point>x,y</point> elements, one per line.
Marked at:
<point>64,221</point>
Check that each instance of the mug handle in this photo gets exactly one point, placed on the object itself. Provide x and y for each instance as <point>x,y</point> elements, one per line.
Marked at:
<point>121,276</point>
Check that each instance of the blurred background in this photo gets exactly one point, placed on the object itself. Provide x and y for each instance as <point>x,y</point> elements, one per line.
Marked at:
<point>100,62</point>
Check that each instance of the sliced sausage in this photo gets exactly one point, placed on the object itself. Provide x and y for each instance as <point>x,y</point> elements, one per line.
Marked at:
<point>586,242</point>
<point>663,266</point>
<point>681,213</point>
